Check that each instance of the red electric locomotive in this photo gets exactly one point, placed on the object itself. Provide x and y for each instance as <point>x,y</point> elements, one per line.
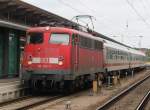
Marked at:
<point>61,57</point>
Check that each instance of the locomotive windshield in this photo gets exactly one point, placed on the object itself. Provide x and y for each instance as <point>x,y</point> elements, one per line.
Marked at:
<point>59,38</point>
<point>35,38</point>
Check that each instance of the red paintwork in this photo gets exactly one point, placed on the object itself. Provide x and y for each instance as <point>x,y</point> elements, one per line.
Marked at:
<point>75,58</point>
<point>47,50</point>
<point>89,59</point>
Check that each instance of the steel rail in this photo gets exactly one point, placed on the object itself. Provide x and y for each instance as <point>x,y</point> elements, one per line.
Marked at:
<point>15,100</point>
<point>39,103</point>
<point>36,104</point>
<point>144,101</point>
<point>32,105</point>
<point>116,98</point>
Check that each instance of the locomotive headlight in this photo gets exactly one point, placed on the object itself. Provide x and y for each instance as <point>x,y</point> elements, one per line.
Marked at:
<point>29,62</point>
<point>60,63</point>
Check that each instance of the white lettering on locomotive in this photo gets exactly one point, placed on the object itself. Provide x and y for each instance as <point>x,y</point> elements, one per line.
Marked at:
<point>36,60</point>
<point>53,60</point>
<point>45,60</point>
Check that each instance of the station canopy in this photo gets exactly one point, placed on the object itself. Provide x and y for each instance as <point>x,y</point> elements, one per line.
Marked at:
<point>23,14</point>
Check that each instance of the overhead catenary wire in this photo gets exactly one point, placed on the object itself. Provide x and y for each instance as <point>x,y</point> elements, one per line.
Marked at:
<point>147,3</point>
<point>98,18</point>
<point>138,14</point>
<point>92,10</point>
<point>68,5</point>
<point>109,29</point>
<point>78,11</point>
<point>143,3</point>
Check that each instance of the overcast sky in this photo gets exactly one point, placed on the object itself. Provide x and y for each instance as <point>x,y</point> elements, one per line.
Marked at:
<point>112,17</point>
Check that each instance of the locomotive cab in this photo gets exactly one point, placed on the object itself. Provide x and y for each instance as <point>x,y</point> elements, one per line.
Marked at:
<point>45,51</point>
<point>56,57</point>
<point>46,56</point>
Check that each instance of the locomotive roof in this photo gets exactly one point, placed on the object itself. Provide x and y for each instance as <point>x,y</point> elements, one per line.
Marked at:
<point>42,29</point>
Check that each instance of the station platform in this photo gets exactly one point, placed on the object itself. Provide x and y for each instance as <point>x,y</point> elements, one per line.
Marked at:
<point>11,89</point>
<point>9,80</point>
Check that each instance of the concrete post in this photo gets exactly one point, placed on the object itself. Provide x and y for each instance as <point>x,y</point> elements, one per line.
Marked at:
<point>118,78</point>
<point>119,74</point>
<point>126,74</point>
<point>115,80</point>
<point>99,82</point>
<point>100,85</point>
<point>94,86</point>
<point>132,73</point>
<point>109,80</point>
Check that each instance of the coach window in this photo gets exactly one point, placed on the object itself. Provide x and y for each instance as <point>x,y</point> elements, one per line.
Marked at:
<point>130,57</point>
<point>110,54</point>
<point>59,38</point>
<point>107,53</point>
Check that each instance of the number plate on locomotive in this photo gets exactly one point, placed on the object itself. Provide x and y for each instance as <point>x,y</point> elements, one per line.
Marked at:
<point>36,60</point>
<point>53,60</point>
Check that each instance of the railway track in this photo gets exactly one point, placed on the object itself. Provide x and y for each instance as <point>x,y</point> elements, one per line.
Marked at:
<point>144,102</point>
<point>27,102</point>
<point>15,100</point>
<point>129,98</point>
<point>30,102</point>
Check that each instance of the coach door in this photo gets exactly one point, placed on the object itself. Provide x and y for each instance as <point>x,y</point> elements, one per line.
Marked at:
<point>75,52</point>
